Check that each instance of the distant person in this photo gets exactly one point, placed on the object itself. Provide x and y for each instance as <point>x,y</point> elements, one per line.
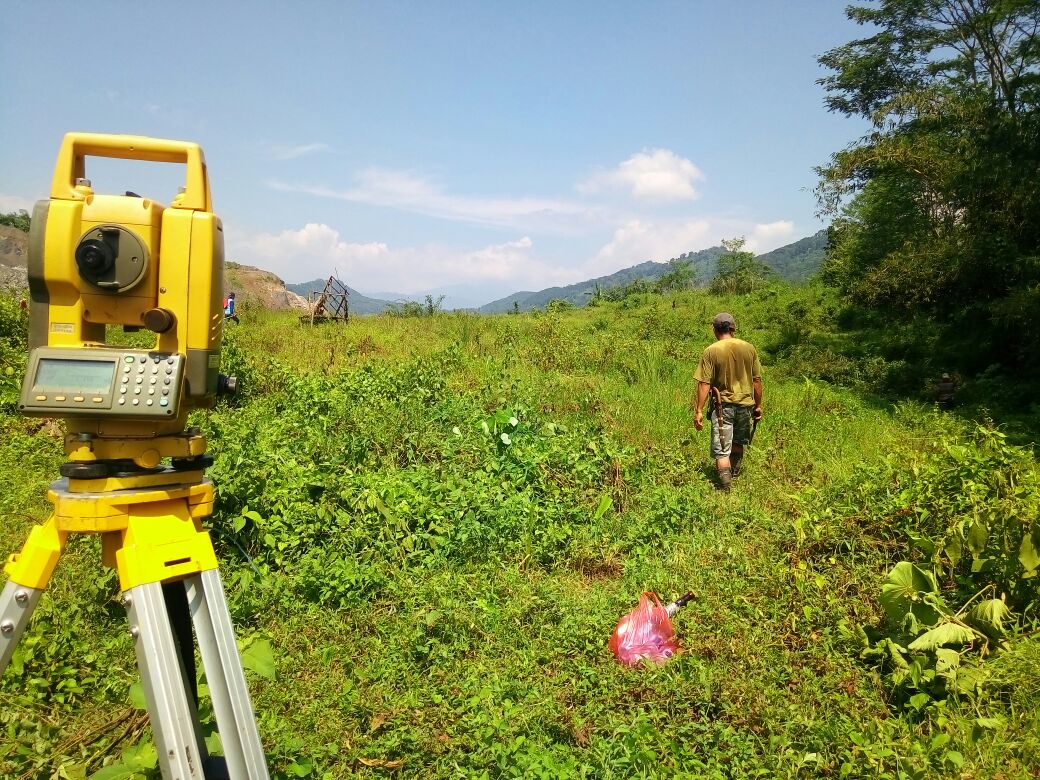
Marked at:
<point>944,392</point>
<point>731,373</point>
<point>229,308</point>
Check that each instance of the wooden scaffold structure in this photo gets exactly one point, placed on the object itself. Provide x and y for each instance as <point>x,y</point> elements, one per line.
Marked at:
<point>329,304</point>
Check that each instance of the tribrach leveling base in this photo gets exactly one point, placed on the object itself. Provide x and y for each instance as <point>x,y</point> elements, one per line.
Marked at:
<point>97,261</point>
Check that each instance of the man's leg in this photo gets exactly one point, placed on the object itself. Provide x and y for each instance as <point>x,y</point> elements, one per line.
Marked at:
<point>736,459</point>
<point>721,441</point>
<point>741,437</point>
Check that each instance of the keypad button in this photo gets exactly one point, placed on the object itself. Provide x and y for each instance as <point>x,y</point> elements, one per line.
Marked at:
<point>151,401</point>
<point>169,371</point>
<point>97,399</point>
<point>78,399</point>
<point>137,401</point>
<point>122,390</point>
<point>151,391</point>
<point>140,380</point>
<point>137,391</point>
<point>126,379</point>
<point>164,402</point>
<point>41,398</point>
<point>122,401</point>
<point>166,391</point>
<point>58,397</point>
<point>128,359</point>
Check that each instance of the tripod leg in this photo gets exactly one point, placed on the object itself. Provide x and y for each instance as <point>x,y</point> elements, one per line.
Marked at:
<point>30,571</point>
<point>226,680</point>
<point>171,709</point>
<point>16,607</point>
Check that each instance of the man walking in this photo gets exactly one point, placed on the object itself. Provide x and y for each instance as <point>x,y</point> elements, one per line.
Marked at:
<point>731,373</point>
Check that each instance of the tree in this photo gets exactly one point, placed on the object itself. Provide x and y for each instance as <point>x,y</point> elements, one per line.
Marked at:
<point>738,272</point>
<point>937,208</point>
<point>17,219</point>
<point>679,276</point>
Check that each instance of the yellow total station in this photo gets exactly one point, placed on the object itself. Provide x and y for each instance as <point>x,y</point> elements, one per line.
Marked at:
<point>100,261</point>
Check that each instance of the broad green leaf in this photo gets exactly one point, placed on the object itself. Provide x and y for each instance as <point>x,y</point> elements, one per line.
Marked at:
<point>946,661</point>
<point>116,772</point>
<point>988,617</point>
<point>604,505</point>
<point>990,723</point>
<point>259,657</point>
<point>1029,551</point>
<point>978,533</point>
<point>902,589</point>
<point>141,756</point>
<point>137,697</point>
<point>944,634</point>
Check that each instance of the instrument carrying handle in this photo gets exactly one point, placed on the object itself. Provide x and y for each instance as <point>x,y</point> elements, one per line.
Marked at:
<point>77,146</point>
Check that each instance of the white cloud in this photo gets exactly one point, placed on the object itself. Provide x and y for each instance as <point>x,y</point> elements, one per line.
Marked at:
<point>765,237</point>
<point>654,174</point>
<point>287,152</point>
<point>637,241</point>
<point>15,203</point>
<point>408,192</point>
<point>316,250</point>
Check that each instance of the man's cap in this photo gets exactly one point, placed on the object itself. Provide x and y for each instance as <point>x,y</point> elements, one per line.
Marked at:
<point>723,319</point>
<point>945,376</point>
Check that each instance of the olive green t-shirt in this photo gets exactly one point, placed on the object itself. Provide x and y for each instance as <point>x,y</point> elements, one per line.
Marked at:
<point>730,365</point>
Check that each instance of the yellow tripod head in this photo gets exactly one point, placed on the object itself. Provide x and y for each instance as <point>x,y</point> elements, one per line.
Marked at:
<point>99,260</point>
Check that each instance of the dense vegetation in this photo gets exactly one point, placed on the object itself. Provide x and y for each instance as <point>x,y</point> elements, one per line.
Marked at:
<point>429,526</point>
<point>938,207</point>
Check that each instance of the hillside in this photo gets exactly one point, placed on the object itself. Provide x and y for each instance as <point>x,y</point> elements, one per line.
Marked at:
<point>798,261</point>
<point>359,304</point>
<point>255,286</point>
<point>793,263</point>
<point>14,249</point>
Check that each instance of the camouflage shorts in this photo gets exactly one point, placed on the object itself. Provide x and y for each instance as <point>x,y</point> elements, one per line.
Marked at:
<point>735,429</point>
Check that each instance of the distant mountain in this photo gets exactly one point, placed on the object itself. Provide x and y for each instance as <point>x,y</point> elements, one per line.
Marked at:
<point>793,263</point>
<point>358,303</point>
<point>579,294</point>
<point>798,261</point>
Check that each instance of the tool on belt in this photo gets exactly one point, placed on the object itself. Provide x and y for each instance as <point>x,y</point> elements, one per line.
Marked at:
<point>716,400</point>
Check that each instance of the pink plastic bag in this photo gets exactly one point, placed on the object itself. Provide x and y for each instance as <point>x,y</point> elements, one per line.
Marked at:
<point>644,633</point>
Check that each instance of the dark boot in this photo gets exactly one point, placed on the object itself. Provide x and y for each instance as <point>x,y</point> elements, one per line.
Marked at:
<point>736,463</point>
<point>725,478</point>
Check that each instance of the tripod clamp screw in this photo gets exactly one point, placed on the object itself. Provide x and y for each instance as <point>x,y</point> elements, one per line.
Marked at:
<point>21,596</point>
<point>7,627</point>
<point>135,632</point>
<point>126,600</point>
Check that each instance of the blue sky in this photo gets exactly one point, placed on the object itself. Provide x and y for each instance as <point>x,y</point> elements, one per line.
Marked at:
<point>410,146</point>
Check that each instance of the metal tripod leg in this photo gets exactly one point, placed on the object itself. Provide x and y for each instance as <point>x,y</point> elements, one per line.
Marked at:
<point>17,603</point>
<point>175,724</point>
<point>226,680</point>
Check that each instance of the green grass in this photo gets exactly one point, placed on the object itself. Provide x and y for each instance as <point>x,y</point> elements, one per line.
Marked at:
<point>439,601</point>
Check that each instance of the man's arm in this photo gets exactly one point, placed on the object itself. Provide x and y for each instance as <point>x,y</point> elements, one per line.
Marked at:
<point>757,385</point>
<point>702,396</point>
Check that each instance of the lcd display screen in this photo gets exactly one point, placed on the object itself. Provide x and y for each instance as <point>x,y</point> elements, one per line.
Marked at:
<point>74,376</point>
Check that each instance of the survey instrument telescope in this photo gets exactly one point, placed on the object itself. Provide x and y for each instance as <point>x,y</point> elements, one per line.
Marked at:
<point>98,262</point>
